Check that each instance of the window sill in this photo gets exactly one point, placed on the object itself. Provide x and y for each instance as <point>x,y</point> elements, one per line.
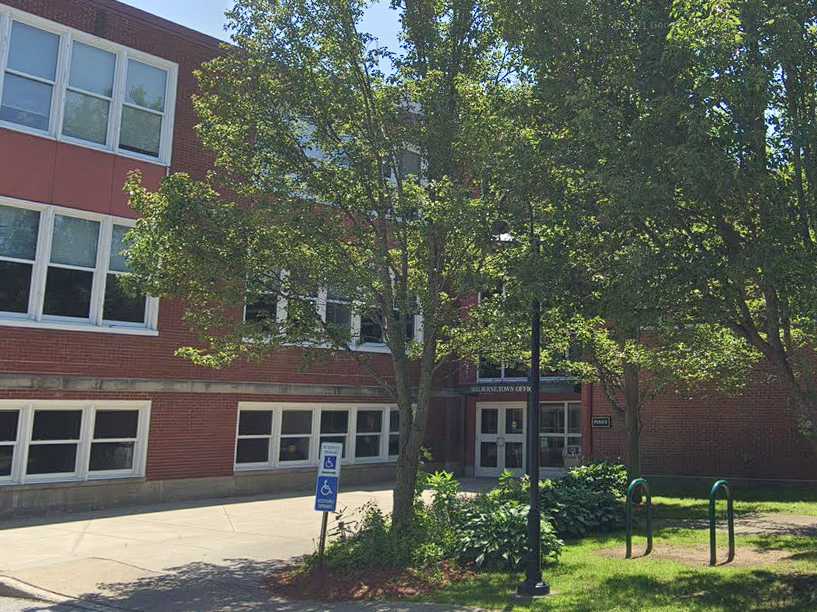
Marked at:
<point>14,127</point>
<point>65,483</point>
<point>312,467</point>
<point>80,327</point>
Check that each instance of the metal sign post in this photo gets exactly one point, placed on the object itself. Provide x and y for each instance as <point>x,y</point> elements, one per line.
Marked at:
<point>326,486</point>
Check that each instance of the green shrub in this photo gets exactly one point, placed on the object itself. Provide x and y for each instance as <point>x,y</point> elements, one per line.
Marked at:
<point>601,476</point>
<point>493,534</point>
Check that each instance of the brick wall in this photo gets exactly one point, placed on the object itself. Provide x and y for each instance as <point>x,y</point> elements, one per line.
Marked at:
<point>751,435</point>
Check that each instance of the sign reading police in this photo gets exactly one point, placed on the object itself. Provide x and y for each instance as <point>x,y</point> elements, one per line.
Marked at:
<point>326,487</point>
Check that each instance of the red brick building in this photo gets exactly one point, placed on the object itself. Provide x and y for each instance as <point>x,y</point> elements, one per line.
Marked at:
<point>95,409</point>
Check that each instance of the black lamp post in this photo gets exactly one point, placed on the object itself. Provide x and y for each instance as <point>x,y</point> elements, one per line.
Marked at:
<point>534,586</point>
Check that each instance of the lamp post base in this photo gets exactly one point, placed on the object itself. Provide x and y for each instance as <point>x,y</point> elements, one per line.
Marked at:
<point>537,589</point>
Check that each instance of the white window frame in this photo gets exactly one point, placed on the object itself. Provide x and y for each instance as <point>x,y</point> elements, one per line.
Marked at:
<point>565,435</point>
<point>25,425</point>
<point>356,344</point>
<point>317,408</point>
<point>95,322</point>
<point>123,54</point>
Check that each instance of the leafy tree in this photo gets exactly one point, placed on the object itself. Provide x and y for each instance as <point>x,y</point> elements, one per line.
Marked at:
<point>318,182</point>
<point>592,170</point>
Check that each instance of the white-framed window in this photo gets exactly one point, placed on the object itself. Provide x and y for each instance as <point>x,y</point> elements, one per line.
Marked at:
<point>65,84</point>
<point>62,268</point>
<point>71,440</point>
<point>280,435</point>
<point>560,432</point>
<point>335,308</point>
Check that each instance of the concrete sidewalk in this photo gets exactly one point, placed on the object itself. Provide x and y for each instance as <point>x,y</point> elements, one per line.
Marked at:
<point>207,555</point>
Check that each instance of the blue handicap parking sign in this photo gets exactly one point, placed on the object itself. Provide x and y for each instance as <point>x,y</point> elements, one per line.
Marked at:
<point>329,462</point>
<point>326,493</point>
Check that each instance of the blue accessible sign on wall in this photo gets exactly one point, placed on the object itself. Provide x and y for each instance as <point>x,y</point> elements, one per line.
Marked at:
<point>326,487</point>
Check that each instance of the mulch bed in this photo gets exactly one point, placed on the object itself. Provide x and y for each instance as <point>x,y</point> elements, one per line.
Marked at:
<point>293,582</point>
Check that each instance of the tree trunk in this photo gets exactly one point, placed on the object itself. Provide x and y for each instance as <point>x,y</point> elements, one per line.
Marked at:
<point>632,419</point>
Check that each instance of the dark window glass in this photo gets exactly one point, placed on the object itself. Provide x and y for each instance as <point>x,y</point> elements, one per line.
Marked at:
<point>8,425</point>
<point>57,425</point>
<point>487,454</point>
<point>116,424</point>
<point>111,456</point>
<point>518,370</point>
<point>490,421</point>
<point>409,163</point>
<point>334,421</point>
<point>51,458</point>
<point>120,305</point>
<point>574,419</point>
<point>6,455</point>
<point>489,369</point>
<point>296,422</point>
<point>18,232</point>
<point>394,420</point>
<point>394,445</point>
<point>339,315</point>
<point>367,446</point>
<point>262,307</point>
<point>513,455</point>
<point>513,421</point>
<point>68,292</point>
<point>294,449</point>
<point>369,421</point>
<point>370,331</point>
<point>253,450</point>
<point>254,423</point>
<point>550,452</point>
<point>15,286</point>
<point>552,419</point>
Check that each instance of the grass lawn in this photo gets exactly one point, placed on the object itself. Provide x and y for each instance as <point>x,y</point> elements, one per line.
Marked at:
<point>775,569</point>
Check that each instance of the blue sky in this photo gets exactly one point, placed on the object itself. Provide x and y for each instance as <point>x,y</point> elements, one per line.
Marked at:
<point>208,16</point>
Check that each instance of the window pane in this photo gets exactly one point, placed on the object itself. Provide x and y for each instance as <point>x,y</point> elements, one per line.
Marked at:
<point>86,117</point>
<point>394,420</point>
<point>145,86</point>
<point>487,454</point>
<point>489,369</point>
<point>367,446</point>
<point>254,423</point>
<point>513,421</point>
<point>369,421</point>
<point>394,445</point>
<point>8,425</point>
<point>370,331</point>
<point>550,452</point>
<point>56,425</point>
<point>552,419</point>
<point>26,102</point>
<point>119,263</point>
<point>574,416</point>
<point>92,69</point>
<point>262,307</point>
<point>518,370</point>
<point>6,456</point>
<point>68,293</point>
<point>51,458</point>
<point>294,449</point>
<point>334,421</point>
<point>15,285</point>
<point>116,424</point>
<point>75,241</point>
<point>33,51</point>
<point>18,232</point>
<point>141,131</point>
<point>409,163</point>
<point>513,455</point>
<point>111,456</point>
<point>339,315</point>
<point>296,422</point>
<point>120,305</point>
<point>490,421</point>
<point>254,450</point>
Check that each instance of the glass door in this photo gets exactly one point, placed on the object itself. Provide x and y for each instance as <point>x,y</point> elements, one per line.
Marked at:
<point>500,439</point>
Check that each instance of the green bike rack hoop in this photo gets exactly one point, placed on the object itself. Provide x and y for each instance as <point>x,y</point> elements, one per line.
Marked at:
<point>730,519</point>
<point>634,486</point>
